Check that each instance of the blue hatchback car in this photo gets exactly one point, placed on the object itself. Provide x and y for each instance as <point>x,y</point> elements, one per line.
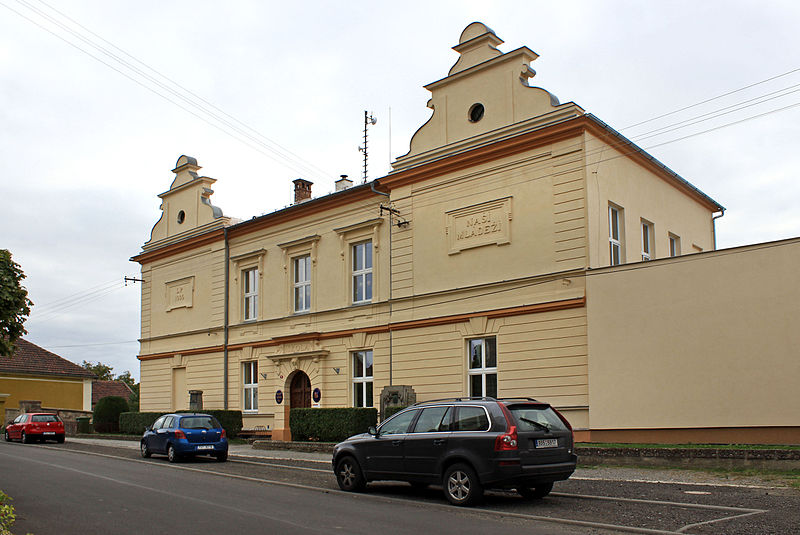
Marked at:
<point>185,435</point>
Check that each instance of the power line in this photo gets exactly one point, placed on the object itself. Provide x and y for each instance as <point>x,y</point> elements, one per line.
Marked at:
<point>88,298</point>
<point>720,112</point>
<point>276,152</point>
<point>787,73</point>
<point>96,345</point>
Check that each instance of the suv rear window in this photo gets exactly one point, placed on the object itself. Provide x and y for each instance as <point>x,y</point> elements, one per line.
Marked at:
<point>542,415</point>
<point>199,422</point>
<point>471,419</point>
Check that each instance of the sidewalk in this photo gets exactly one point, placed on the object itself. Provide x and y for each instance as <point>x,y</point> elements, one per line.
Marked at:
<point>688,475</point>
<point>237,450</point>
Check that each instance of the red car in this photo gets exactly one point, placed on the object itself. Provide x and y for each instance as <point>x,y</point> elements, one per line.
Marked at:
<point>35,426</point>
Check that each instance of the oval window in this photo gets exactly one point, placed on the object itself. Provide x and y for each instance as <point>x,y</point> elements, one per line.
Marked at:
<point>476,112</point>
<point>181,217</point>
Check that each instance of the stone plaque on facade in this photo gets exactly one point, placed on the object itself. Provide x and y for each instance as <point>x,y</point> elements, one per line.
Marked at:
<point>486,223</point>
<point>179,293</point>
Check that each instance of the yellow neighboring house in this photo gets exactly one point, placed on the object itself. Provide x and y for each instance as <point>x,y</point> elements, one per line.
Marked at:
<point>522,247</point>
<point>35,374</point>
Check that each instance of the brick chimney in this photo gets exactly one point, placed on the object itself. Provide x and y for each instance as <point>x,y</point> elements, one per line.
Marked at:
<point>302,190</point>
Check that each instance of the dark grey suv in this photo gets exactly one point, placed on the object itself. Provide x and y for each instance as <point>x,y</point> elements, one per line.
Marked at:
<point>466,445</point>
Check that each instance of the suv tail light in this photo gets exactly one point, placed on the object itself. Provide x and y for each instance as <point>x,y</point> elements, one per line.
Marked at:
<point>507,441</point>
<point>179,434</point>
<point>223,435</point>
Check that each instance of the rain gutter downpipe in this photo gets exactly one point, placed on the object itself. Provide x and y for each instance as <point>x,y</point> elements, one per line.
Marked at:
<point>714,224</point>
<point>372,186</point>
<point>225,321</point>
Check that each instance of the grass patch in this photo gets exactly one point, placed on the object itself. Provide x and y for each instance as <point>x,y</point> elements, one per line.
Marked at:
<point>688,446</point>
<point>789,477</point>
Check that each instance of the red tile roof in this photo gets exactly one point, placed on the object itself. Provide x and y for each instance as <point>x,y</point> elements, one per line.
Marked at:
<point>30,359</point>
<point>101,389</point>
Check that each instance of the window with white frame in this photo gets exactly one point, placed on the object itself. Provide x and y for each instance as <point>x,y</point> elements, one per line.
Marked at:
<point>362,378</point>
<point>302,283</point>
<point>674,245</point>
<point>483,367</point>
<point>647,240</point>
<point>615,234</point>
<point>362,272</point>
<point>250,293</point>
<point>250,386</point>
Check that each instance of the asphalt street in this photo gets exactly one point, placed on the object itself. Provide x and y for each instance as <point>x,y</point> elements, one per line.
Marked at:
<point>85,487</point>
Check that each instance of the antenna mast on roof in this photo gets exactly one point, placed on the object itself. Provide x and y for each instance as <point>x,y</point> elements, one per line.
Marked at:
<point>368,120</point>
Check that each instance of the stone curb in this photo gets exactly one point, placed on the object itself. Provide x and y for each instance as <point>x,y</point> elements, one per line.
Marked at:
<point>720,458</point>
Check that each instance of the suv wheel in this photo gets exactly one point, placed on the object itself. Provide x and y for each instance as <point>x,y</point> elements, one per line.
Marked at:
<point>461,485</point>
<point>349,476</point>
<point>145,450</point>
<point>534,493</point>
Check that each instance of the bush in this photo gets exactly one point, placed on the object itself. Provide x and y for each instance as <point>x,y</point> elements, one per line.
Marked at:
<point>330,425</point>
<point>231,421</point>
<point>391,411</point>
<point>106,414</point>
<point>133,423</point>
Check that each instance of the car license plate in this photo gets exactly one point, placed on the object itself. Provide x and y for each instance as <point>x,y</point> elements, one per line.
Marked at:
<point>209,447</point>
<point>547,443</point>
<point>49,432</point>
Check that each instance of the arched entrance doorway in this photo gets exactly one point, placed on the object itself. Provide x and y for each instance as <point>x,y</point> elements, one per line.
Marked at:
<point>300,391</point>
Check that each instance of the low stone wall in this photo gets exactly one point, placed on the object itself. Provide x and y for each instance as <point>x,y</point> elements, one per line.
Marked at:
<point>764,459</point>
<point>772,459</point>
<point>309,447</point>
<point>67,415</point>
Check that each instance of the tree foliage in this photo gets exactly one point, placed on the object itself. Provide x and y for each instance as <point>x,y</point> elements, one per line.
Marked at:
<point>102,371</point>
<point>126,378</point>
<point>14,304</point>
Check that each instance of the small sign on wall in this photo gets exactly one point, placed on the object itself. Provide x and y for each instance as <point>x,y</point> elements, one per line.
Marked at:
<point>180,293</point>
<point>279,397</point>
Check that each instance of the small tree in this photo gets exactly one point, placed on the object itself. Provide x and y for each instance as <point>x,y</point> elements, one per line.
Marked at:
<point>102,371</point>
<point>14,304</point>
<point>106,414</point>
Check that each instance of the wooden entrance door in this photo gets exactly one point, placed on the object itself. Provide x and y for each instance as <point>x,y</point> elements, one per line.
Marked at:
<point>300,391</point>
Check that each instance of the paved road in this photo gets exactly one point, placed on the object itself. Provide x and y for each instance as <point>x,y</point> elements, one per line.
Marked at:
<point>105,487</point>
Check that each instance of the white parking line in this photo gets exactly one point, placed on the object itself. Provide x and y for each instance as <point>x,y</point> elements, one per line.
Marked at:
<point>659,482</point>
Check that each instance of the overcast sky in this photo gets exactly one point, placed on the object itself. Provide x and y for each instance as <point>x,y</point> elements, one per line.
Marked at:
<point>86,148</point>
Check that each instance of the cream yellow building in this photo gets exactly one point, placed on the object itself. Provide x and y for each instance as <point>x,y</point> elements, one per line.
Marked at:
<point>468,270</point>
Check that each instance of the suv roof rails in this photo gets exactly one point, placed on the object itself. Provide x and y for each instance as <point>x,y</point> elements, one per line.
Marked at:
<point>522,399</point>
<point>475,398</point>
<point>463,398</point>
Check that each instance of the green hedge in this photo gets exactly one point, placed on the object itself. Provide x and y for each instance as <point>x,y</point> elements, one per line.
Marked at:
<point>391,411</point>
<point>133,423</point>
<point>231,421</point>
<point>330,425</point>
<point>106,414</point>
